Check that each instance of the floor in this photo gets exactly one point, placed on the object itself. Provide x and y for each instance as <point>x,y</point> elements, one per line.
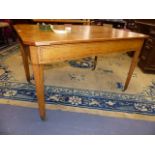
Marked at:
<point>19,120</point>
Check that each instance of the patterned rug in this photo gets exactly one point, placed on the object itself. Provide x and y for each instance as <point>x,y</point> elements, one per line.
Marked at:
<point>73,86</point>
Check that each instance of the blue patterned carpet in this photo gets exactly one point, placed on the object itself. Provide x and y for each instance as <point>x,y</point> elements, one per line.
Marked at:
<point>134,103</point>
<point>80,98</point>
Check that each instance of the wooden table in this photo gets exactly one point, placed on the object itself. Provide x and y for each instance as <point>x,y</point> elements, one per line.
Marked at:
<point>45,47</point>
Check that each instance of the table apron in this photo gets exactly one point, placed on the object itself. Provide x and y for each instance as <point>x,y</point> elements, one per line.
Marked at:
<point>57,53</point>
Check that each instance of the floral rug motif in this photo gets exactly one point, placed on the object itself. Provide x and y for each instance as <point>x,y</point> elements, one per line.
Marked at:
<point>77,88</point>
<point>80,98</point>
<point>82,63</point>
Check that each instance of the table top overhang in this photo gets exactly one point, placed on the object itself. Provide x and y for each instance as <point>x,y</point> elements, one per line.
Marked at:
<point>32,35</point>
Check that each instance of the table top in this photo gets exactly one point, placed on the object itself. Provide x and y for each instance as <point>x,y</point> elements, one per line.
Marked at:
<point>32,35</point>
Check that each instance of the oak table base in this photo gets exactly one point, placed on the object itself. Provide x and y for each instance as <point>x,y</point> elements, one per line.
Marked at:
<point>42,55</point>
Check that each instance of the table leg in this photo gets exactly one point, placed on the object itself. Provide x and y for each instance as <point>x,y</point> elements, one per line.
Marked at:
<point>132,67</point>
<point>95,63</point>
<point>25,53</point>
<point>38,76</point>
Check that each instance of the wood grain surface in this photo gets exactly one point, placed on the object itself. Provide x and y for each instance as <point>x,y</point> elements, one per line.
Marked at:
<point>32,35</point>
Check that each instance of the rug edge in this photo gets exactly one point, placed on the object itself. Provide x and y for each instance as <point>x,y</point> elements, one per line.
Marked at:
<point>79,110</point>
